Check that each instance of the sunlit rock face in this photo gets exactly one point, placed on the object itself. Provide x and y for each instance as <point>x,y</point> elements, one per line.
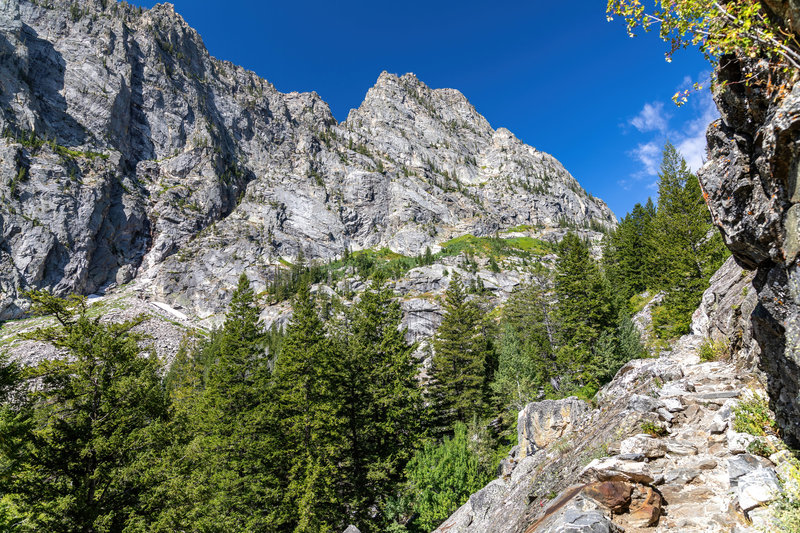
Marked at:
<point>131,154</point>
<point>752,189</point>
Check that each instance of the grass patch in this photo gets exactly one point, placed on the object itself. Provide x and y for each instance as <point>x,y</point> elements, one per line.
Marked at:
<point>496,247</point>
<point>520,228</point>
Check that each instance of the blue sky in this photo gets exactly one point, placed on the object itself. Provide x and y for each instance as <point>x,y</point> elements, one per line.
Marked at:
<point>557,74</point>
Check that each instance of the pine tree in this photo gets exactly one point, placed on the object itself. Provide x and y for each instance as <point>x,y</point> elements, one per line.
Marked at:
<point>458,371</point>
<point>382,403</point>
<point>95,422</point>
<point>689,248</point>
<point>219,468</point>
<point>526,360</point>
<point>307,406</point>
<point>584,309</point>
<point>629,252</point>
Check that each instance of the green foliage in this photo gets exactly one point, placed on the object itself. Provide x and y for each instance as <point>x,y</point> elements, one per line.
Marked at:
<point>381,404</point>
<point>787,508</point>
<point>216,477</point>
<point>630,253</point>
<point>638,302</point>
<point>584,311</point>
<point>525,354</point>
<point>672,248</point>
<point>761,447</point>
<point>90,429</point>
<point>743,29</point>
<point>653,429</point>
<point>495,246</point>
<point>441,478</point>
<point>714,350</point>
<point>754,417</point>
<point>35,142</point>
<point>459,369</point>
<point>690,249</point>
<point>307,410</point>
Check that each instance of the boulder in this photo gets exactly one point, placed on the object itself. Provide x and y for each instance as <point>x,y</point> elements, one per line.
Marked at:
<point>741,465</point>
<point>540,424</point>
<point>723,417</point>
<point>757,488</point>
<point>646,445</point>
<point>613,495</point>
<point>738,442</point>
<point>614,469</point>
<point>573,512</point>
<point>648,513</point>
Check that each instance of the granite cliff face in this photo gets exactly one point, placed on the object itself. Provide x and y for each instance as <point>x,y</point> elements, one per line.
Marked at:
<point>752,184</point>
<point>129,153</point>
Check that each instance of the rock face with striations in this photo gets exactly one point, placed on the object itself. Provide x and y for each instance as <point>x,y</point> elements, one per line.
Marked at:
<point>752,185</point>
<point>131,154</point>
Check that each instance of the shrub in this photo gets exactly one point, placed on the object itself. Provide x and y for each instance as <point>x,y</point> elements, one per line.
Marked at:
<point>787,508</point>
<point>653,429</point>
<point>761,447</point>
<point>714,350</point>
<point>754,417</point>
<point>441,478</point>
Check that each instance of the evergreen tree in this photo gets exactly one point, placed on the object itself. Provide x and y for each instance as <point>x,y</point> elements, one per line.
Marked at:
<point>382,404</point>
<point>459,373</point>
<point>307,406</point>
<point>93,425</point>
<point>526,359</point>
<point>427,259</point>
<point>14,428</point>
<point>584,309</point>
<point>222,476</point>
<point>690,250</point>
<point>629,252</point>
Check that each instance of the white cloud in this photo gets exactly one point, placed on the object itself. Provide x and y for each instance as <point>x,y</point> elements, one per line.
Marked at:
<point>651,118</point>
<point>691,142</point>
<point>649,155</point>
<point>689,137</point>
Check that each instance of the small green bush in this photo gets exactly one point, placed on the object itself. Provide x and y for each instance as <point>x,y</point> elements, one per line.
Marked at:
<point>761,447</point>
<point>754,417</point>
<point>441,478</point>
<point>653,429</point>
<point>712,350</point>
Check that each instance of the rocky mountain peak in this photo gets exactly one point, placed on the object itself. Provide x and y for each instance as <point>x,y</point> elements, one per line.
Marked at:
<point>190,170</point>
<point>407,95</point>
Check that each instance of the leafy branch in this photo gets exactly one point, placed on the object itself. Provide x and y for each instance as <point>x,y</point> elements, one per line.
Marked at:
<point>741,28</point>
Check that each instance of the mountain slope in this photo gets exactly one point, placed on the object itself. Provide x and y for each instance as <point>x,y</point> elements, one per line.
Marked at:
<point>130,153</point>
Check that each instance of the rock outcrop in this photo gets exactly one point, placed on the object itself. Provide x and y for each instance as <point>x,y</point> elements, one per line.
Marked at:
<point>751,185</point>
<point>130,154</point>
<point>540,424</point>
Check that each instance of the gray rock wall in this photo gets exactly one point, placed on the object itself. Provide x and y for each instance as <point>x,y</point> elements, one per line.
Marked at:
<point>751,185</point>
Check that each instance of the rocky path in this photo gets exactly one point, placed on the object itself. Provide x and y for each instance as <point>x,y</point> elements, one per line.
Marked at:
<point>580,469</point>
<point>704,479</point>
